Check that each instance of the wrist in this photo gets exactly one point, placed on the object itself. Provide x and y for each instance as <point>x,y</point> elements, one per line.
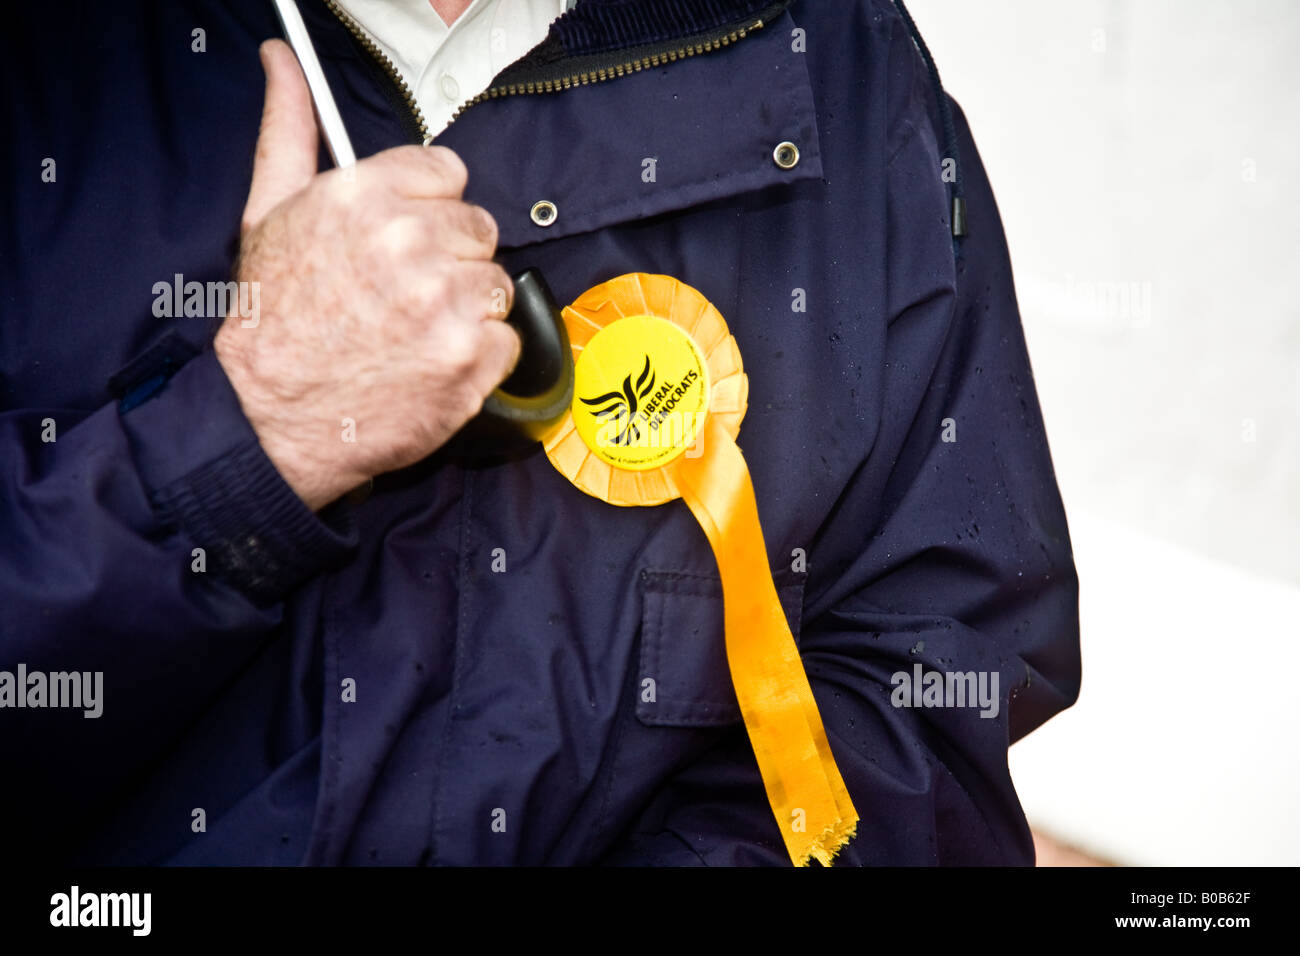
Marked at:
<point>316,483</point>
<point>285,438</point>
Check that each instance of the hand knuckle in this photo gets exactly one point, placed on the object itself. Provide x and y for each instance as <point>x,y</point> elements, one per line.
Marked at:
<point>430,292</point>
<point>400,237</point>
<point>460,349</point>
<point>448,165</point>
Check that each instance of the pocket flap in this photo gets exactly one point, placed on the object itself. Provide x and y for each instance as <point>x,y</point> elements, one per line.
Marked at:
<point>683,649</point>
<point>657,140</point>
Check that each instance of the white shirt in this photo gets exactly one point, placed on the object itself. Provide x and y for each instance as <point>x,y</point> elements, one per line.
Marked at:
<point>446,65</point>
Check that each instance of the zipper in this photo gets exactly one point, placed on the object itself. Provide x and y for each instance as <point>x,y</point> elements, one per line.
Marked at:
<point>585,70</point>
<point>381,58</point>
<point>691,46</point>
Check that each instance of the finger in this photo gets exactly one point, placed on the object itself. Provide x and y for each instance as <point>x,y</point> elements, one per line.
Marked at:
<point>287,144</point>
<point>501,346</point>
<point>455,228</point>
<point>484,290</point>
<point>417,172</point>
<point>458,293</point>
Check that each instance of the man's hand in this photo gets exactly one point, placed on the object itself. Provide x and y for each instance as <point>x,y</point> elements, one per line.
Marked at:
<point>379,305</point>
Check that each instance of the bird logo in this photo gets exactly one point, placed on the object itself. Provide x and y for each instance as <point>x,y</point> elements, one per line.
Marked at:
<point>620,407</point>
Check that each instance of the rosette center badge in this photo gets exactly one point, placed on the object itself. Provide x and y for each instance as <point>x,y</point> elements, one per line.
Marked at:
<point>641,393</point>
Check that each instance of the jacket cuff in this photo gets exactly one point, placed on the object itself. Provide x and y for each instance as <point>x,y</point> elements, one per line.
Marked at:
<point>200,461</point>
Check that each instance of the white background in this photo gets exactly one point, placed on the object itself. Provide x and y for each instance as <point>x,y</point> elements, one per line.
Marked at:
<point>1146,159</point>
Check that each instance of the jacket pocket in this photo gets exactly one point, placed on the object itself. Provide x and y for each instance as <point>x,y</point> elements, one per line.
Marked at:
<point>684,679</point>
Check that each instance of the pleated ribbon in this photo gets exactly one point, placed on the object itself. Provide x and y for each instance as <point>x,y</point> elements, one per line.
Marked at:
<point>613,445</point>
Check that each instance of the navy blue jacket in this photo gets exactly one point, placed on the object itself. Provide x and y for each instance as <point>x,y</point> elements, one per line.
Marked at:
<point>481,697</point>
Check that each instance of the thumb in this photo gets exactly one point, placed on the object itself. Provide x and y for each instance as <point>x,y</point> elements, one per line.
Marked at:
<point>287,144</point>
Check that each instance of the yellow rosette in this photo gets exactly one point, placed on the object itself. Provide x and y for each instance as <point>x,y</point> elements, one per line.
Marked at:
<point>659,395</point>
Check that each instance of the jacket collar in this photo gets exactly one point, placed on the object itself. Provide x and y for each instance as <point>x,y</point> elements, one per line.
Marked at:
<point>599,36</point>
<point>599,26</point>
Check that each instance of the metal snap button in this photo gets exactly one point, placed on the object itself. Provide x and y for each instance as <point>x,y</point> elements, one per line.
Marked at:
<point>786,155</point>
<point>543,212</point>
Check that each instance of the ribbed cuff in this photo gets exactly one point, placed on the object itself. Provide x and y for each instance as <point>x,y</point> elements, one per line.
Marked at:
<point>201,462</point>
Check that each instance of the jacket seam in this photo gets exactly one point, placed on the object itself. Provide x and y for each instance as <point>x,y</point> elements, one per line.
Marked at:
<point>462,613</point>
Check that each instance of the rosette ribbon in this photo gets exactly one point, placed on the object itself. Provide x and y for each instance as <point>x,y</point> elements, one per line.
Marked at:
<point>659,396</point>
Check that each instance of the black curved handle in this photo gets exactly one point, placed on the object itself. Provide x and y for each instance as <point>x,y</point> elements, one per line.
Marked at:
<point>538,392</point>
